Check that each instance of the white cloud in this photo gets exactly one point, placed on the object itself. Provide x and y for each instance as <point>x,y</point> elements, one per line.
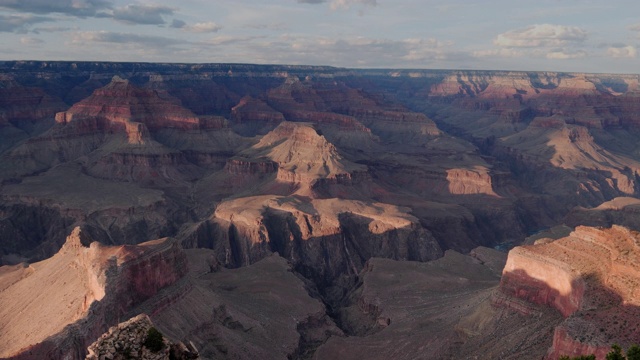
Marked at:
<point>503,53</point>
<point>622,52</point>
<point>366,52</point>
<point>30,41</point>
<point>204,27</point>
<point>341,4</point>
<point>20,23</point>
<point>228,39</point>
<point>563,54</point>
<point>84,37</point>
<point>635,27</point>
<point>542,35</point>
<point>142,14</point>
<point>346,4</point>
<point>81,8</point>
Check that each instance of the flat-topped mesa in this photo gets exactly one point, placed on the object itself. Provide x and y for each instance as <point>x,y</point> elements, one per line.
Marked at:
<point>78,293</point>
<point>519,84</point>
<point>112,107</point>
<point>312,233</point>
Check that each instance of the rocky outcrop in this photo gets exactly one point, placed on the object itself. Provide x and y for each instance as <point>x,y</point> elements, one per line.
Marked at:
<point>341,166</point>
<point>590,277</point>
<point>78,293</point>
<point>299,156</point>
<point>470,181</point>
<point>254,116</point>
<point>241,313</point>
<point>198,91</point>
<point>324,239</point>
<point>20,105</point>
<point>120,103</point>
<point>542,281</point>
<point>439,309</point>
<point>128,340</point>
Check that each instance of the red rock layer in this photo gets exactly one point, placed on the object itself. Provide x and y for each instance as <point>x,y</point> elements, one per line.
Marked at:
<point>592,277</point>
<point>88,288</point>
<point>120,106</point>
<point>19,103</point>
<point>251,109</point>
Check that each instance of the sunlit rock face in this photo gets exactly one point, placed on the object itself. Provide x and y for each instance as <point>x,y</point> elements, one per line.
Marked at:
<point>591,277</point>
<point>78,293</point>
<point>347,175</point>
<point>112,107</point>
<point>480,157</point>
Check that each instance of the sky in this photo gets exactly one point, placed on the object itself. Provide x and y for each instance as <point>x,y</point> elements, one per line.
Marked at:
<point>530,35</point>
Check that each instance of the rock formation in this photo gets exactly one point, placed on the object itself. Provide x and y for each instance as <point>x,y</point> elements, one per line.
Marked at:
<point>335,170</point>
<point>241,313</point>
<point>590,277</point>
<point>78,293</point>
<point>129,340</point>
<point>122,107</point>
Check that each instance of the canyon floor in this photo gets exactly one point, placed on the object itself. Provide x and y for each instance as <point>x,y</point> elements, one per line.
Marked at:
<point>307,212</point>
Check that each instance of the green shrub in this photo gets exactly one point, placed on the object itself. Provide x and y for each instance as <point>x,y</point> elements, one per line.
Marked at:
<point>615,353</point>
<point>154,340</point>
<point>633,353</point>
<point>581,357</point>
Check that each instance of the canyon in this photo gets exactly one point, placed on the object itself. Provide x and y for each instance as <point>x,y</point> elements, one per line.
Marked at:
<point>302,212</point>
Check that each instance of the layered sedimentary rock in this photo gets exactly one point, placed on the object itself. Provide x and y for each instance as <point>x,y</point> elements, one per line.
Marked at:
<point>329,168</point>
<point>325,239</point>
<point>302,160</point>
<point>254,116</point>
<point>621,211</point>
<point>381,121</point>
<point>197,92</point>
<point>259,311</point>
<point>20,104</point>
<point>24,111</point>
<point>590,277</point>
<point>121,106</point>
<point>78,293</point>
<point>436,310</point>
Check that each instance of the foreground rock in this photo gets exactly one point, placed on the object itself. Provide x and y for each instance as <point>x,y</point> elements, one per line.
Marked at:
<point>78,293</point>
<point>133,339</point>
<point>591,277</point>
<point>436,310</point>
<point>261,311</point>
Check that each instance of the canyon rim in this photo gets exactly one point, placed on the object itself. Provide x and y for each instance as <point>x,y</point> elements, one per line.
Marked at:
<point>314,212</point>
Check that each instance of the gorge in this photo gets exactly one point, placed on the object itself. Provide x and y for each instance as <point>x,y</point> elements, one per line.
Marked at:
<point>275,211</point>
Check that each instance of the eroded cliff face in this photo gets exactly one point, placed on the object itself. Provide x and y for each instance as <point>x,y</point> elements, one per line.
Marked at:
<point>543,122</point>
<point>329,168</point>
<point>590,277</point>
<point>506,148</point>
<point>78,293</point>
<point>112,107</point>
<point>324,239</point>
